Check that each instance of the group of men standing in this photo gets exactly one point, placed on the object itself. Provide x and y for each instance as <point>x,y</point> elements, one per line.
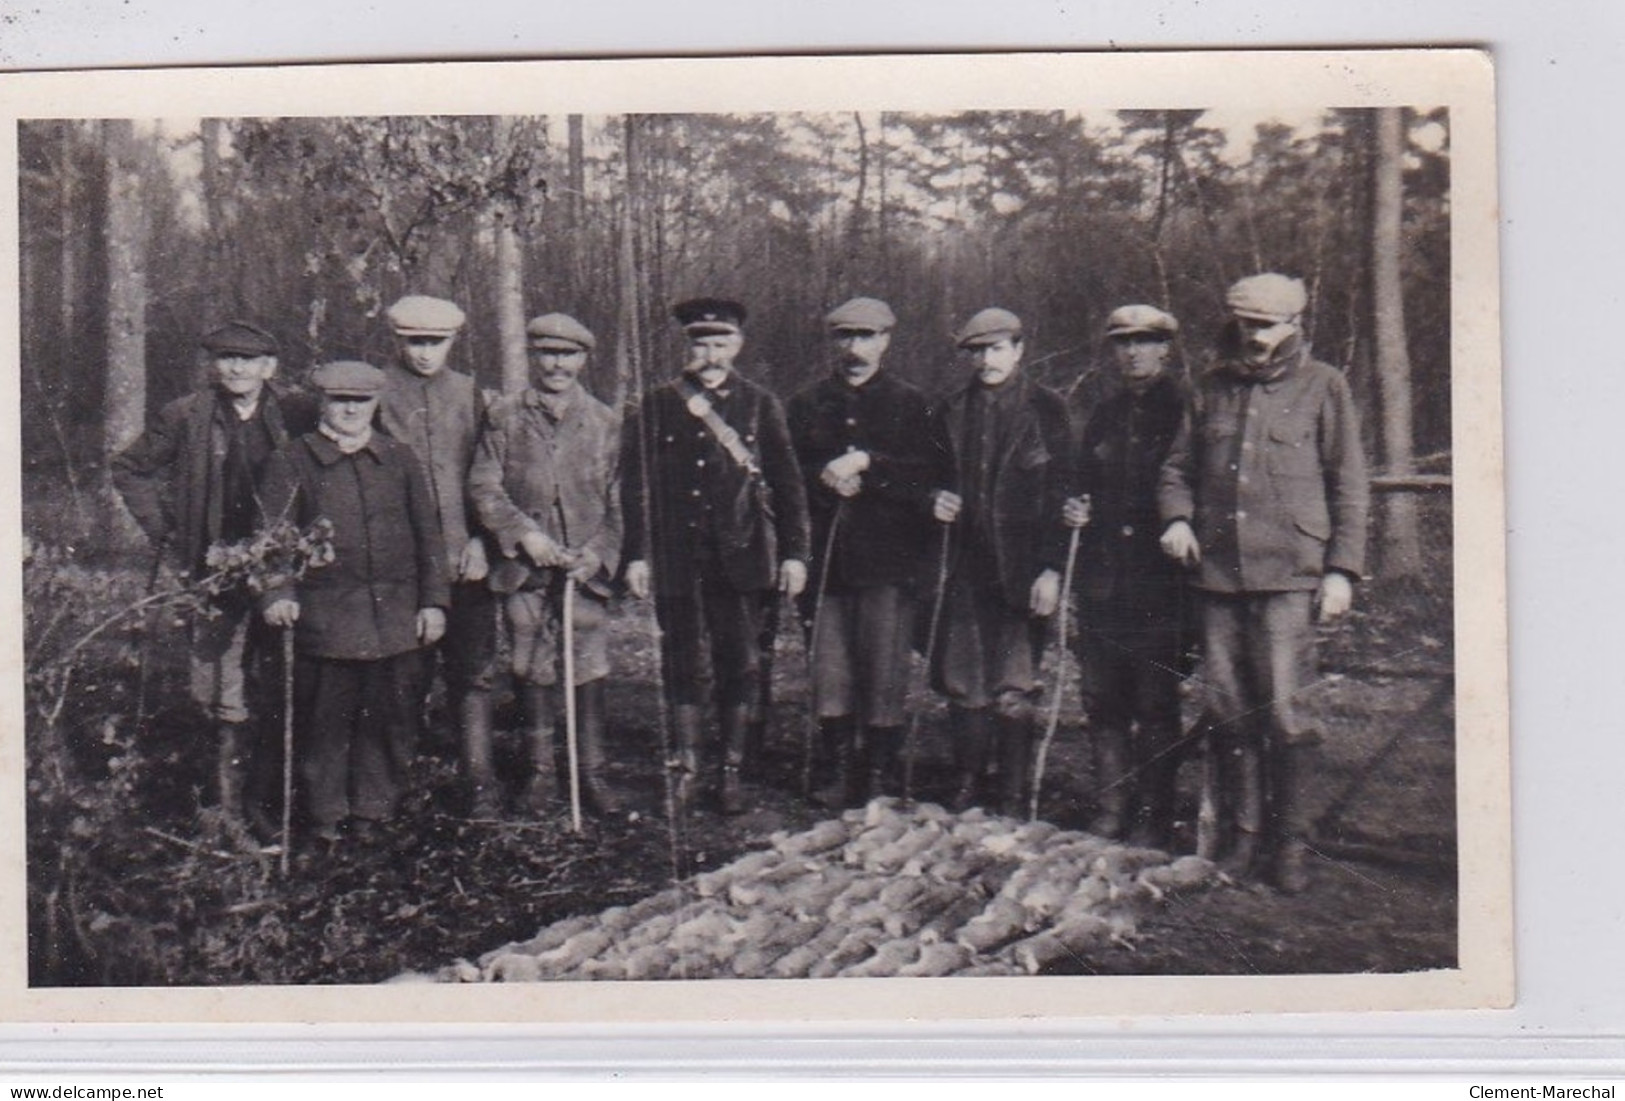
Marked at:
<point>898,522</point>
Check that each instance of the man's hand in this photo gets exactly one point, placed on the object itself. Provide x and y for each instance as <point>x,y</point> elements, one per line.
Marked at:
<point>945,505</point>
<point>637,579</point>
<point>282,613</point>
<point>1075,512</point>
<point>431,625</point>
<point>472,564</point>
<point>543,550</point>
<point>1179,543</point>
<point>792,577</point>
<point>1335,598</point>
<point>846,466</point>
<point>1046,594</point>
<point>584,565</point>
<point>845,487</point>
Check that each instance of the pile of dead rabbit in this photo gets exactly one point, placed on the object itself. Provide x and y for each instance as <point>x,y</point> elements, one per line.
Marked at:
<point>880,891</point>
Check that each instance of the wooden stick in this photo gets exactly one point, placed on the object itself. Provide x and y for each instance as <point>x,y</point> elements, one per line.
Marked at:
<point>911,740</point>
<point>287,747</point>
<point>810,727</point>
<point>570,702</point>
<point>1060,679</point>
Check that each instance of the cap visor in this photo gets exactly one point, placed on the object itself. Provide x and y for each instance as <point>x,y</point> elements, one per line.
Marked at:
<point>709,328</point>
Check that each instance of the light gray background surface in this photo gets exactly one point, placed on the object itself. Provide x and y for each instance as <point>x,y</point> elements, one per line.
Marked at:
<point>1560,64</point>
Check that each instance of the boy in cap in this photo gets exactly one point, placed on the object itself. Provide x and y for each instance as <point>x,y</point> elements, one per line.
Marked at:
<point>862,436</point>
<point>716,518</point>
<point>1264,495</point>
<point>1010,443</point>
<point>190,482</point>
<point>545,485</point>
<point>360,621</point>
<point>1132,599</point>
<point>437,412</point>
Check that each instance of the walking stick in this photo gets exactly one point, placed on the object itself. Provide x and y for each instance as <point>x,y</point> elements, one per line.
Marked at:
<point>930,650</point>
<point>287,746</point>
<point>570,702</point>
<point>811,725</point>
<point>1060,674</point>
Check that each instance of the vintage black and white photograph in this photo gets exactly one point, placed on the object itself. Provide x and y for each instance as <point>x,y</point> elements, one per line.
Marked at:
<point>648,547</point>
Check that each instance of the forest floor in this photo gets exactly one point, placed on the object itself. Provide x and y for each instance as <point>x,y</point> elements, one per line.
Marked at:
<point>135,879</point>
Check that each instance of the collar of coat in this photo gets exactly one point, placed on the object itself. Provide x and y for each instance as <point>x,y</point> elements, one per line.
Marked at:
<point>327,452</point>
<point>554,405</point>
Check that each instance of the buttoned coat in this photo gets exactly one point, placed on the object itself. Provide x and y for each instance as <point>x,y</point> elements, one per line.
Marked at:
<point>688,499</point>
<point>559,477</point>
<point>438,416</point>
<point>389,560</point>
<point>884,536</point>
<point>171,478</point>
<point>1031,476</point>
<point>1272,477</point>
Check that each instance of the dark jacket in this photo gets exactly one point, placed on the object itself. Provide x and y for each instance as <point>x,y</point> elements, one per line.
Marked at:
<point>695,498</point>
<point>561,478</point>
<point>389,560</point>
<point>438,417</point>
<point>171,478</point>
<point>884,537</point>
<point>1120,455</point>
<point>1272,477</point>
<point>1029,478</point>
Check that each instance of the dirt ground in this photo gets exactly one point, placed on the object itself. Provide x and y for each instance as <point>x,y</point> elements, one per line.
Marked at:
<point>135,879</point>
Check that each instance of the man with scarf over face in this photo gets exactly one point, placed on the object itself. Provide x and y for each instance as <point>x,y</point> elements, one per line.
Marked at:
<point>1265,496</point>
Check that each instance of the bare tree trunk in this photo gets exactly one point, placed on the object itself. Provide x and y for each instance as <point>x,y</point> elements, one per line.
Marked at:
<point>214,244</point>
<point>575,202</point>
<point>1401,545</point>
<point>510,281</point>
<point>854,224</point>
<point>125,409</point>
<point>629,341</point>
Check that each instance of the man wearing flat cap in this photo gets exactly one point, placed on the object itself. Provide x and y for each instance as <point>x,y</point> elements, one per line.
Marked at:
<point>716,519</point>
<point>1132,600</point>
<point>190,482</point>
<point>360,621</point>
<point>546,487</point>
<point>1264,496</point>
<point>862,436</point>
<point>1010,443</point>
<point>437,412</point>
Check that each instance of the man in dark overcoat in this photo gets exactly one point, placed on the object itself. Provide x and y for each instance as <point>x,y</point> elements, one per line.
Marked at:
<point>361,621</point>
<point>716,518</point>
<point>1265,496</point>
<point>1010,442</point>
<point>189,481</point>
<point>1133,603</point>
<point>862,436</point>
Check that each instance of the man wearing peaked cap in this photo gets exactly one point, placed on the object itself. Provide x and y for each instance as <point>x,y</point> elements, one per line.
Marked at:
<point>437,411</point>
<point>189,482</point>
<point>546,489</point>
<point>1133,600</point>
<point>862,436</point>
<point>361,620</point>
<point>716,519</point>
<point>1264,497</point>
<point>1009,467</point>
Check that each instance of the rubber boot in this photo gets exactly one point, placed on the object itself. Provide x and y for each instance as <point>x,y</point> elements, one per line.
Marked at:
<point>735,723</point>
<point>968,728</point>
<point>1290,871</point>
<point>1112,782</point>
<point>232,768</point>
<point>1242,777</point>
<point>474,722</point>
<point>837,737</point>
<point>1015,761</point>
<point>882,744</point>
<point>542,789</point>
<point>684,763</point>
<point>596,791</point>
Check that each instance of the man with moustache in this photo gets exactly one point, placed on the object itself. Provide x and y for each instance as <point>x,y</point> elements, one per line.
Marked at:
<point>360,621</point>
<point>545,485</point>
<point>437,412</point>
<point>862,436</point>
<point>716,518</point>
<point>1264,495</point>
<point>189,481</point>
<point>1132,601</point>
<point>1010,443</point>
